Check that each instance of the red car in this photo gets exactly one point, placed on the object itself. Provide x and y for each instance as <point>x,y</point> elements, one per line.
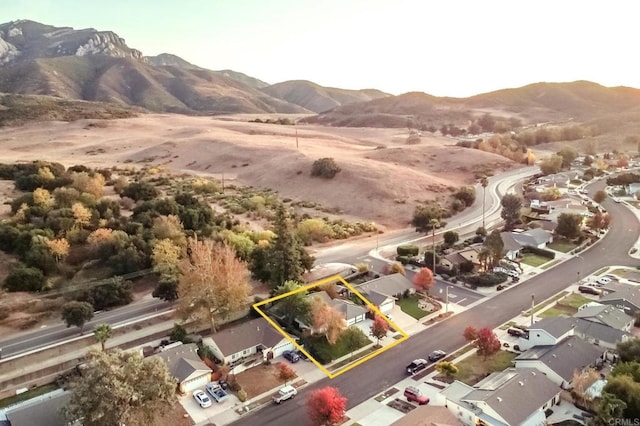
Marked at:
<point>413,394</point>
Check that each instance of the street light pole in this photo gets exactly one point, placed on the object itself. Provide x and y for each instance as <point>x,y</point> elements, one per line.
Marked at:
<point>533,303</point>
<point>446,309</point>
<point>433,223</point>
<point>580,268</point>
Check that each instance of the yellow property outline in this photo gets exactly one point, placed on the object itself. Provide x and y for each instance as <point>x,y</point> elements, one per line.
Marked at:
<point>371,306</point>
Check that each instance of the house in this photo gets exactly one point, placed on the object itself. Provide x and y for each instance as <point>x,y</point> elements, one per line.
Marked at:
<point>255,338</point>
<point>43,410</point>
<point>186,367</point>
<point>428,415</point>
<point>547,332</point>
<point>515,396</point>
<point>351,312</point>
<point>382,292</point>
<point>558,362</point>
<point>622,296</point>
<point>606,315</point>
<point>454,260</point>
<point>599,334</point>
<point>514,242</point>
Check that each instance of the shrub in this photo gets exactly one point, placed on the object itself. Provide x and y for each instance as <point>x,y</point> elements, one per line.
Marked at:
<point>487,280</point>
<point>242,395</point>
<point>408,250</point>
<point>541,252</point>
<point>23,278</point>
<point>403,259</point>
<point>325,167</point>
<point>140,191</point>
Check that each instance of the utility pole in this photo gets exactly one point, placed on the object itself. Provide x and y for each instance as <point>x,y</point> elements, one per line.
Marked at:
<point>533,303</point>
<point>296,138</point>
<point>484,182</point>
<point>434,223</point>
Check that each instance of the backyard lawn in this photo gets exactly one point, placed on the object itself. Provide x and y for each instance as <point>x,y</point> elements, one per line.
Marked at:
<point>562,245</point>
<point>566,306</point>
<point>409,306</point>
<point>533,259</point>
<point>474,368</point>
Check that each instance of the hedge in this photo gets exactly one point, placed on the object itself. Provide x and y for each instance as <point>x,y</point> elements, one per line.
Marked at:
<point>408,250</point>
<point>487,280</point>
<point>541,252</point>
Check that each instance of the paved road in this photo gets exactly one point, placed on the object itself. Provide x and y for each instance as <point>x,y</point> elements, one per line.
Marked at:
<point>24,342</point>
<point>377,374</point>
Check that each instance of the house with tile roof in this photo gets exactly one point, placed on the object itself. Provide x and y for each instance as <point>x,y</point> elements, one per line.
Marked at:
<point>186,367</point>
<point>515,396</point>
<point>559,361</point>
<point>255,339</point>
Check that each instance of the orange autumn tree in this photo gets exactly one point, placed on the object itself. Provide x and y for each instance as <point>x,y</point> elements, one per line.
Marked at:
<point>214,283</point>
<point>285,373</point>
<point>423,280</point>
<point>327,320</point>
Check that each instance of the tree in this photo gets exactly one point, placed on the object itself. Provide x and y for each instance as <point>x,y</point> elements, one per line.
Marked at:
<point>423,280</point>
<point>295,306</point>
<point>626,389</point>
<point>165,259</point>
<point>327,320</point>
<point>551,165</point>
<point>23,278</point>
<point>611,408</point>
<point>397,268</point>
<point>451,237</point>
<point>599,196</point>
<point>326,407</point>
<point>285,373</point>
<point>325,167</point>
<point>487,342</point>
<point>59,248</point>
<point>447,368</point>
<point>286,256</point>
<point>568,155</point>
<point>569,225</point>
<point>466,194</point>
<point>629,350</point>
<point>120,388</point>
<point>214,282</point>
<point>511,205</point>
<point>77,313</point>
<point>423,217</point>
<point>470,334</point>
<point>81,214</point>
<point>169,227</point>
<point>495,248</point>
<point>102,333</point>
<point>379,328</point>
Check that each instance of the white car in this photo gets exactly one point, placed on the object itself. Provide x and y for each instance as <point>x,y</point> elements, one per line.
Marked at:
<point>603,280</point>
<point>202,398</point>
<point>287,392</point>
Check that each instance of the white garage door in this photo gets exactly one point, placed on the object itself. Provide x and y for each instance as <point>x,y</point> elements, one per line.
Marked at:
<point>197,383</point>
<point>285,346</point>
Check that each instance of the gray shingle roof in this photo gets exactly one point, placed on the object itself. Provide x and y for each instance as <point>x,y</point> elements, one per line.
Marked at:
<point>605,314</point>
<point>621,291</point>
<point>349,309</point>
<point>182,361</point>
<point>388,284</point>
<point>41,412</point>
<point>514,394</point>
<point>565,357</point>
<point>247,335</point>
<point>555,326</point>
<point>600,332</point>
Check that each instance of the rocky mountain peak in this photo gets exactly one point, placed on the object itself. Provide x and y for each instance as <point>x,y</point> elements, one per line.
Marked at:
<point>24,39</point>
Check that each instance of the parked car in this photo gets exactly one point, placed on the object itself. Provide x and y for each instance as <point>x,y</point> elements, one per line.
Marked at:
<point>413,394</point>
<point>287,392</point>
<point>215,390</point>
<point>516,332</point>
<point>202,398</point>
<point>417,365</point>
<point>603,280</point>
<point>589,290</point>
<point>302,355</point>
<point>437,355</point>
<point>291,356</point>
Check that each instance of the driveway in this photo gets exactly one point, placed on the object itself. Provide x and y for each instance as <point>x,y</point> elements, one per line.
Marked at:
<point>199,414</point>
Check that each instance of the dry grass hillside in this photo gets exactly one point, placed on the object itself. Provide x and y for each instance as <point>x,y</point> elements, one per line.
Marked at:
<point>382,178</point>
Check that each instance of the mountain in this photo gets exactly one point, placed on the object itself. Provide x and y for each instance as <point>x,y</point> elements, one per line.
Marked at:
<point>540,102</point>
<point>318,98</point>
<point>86,64</point>
<point>243,78</point>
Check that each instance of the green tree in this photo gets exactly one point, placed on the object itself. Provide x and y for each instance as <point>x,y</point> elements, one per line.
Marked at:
<point>423,217</point>
<point>569,225</point>
<point>287,258</point>
<point>447,368</point>
<point>466,194</point>
<point>511,205</point>
<point>610,408</point>
<point>629,350</point>
<point>568,156</point>
<point>551,165</point>
<point>495,248</point>
<point>295,306</point>
<point>626,389</point>
<point>77,314</point>
<point>23,278</point>
<point>451,237</point>
<point>120,388</point>
<point>102,333</point>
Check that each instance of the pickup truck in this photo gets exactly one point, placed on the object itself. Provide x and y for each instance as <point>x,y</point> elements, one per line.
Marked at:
<point>215,390</point>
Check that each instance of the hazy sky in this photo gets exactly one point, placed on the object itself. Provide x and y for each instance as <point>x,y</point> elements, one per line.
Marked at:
<point>441,47</point>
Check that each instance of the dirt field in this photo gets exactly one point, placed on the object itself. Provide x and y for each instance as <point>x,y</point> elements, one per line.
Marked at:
<point>382,178</point>
<point>259,379</point>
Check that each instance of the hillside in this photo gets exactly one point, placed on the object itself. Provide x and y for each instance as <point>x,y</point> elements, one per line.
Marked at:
<point>317,98</point>
<point>382,178</point>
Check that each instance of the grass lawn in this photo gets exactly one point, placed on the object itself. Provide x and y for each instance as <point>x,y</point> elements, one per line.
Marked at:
<point>567,306</point>
<point>620,272</point>
<point>325,353</point>
<point>565,246</point>
<point>28,395</point>
<point>549,264</point>
<point>574,300</point>
<point>507,325</point>
<point>472,368</point>
<point>556,311</point>
<point>533,259</point>
<point>409,306</point>
<point>547,303</point>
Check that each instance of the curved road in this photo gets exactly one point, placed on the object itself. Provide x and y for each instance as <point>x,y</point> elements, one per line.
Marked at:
<point>377,374</point>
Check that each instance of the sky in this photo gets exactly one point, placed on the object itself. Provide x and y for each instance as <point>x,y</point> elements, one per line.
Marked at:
<point>441,47</point>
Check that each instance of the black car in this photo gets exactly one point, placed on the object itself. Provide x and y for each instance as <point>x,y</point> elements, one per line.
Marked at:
<point>516,332</point>
<point>437,355</point>
<point>417,365</point>
<point>291,356</point>
<point>589,290</point>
